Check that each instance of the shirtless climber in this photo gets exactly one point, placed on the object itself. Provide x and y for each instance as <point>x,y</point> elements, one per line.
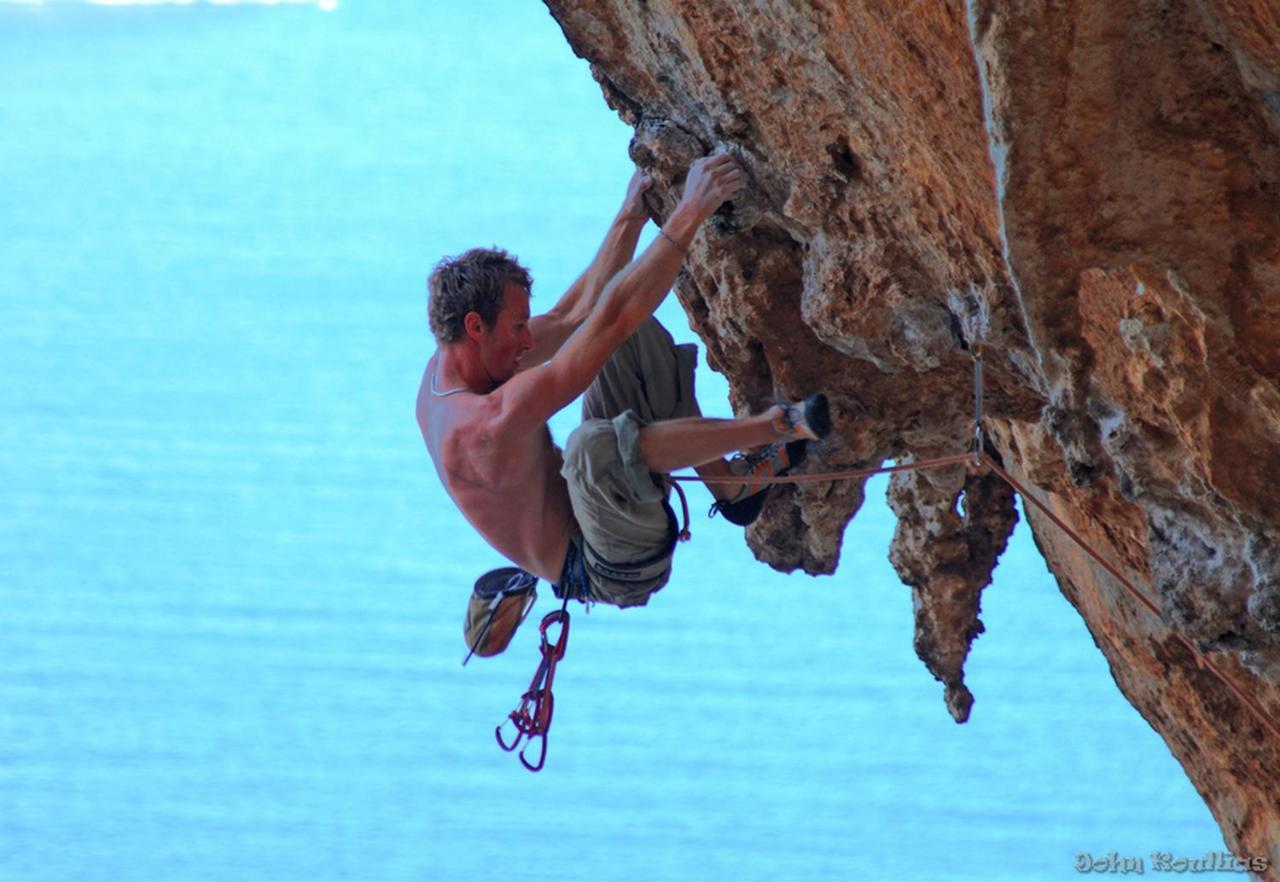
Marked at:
<point>594,522</point>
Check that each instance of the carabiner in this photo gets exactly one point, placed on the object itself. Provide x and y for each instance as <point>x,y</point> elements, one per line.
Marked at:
<point>520,732</point>
<point>532,718</point>
<point>554,651</point>
<point>545,706</point>
<point>542,755</point>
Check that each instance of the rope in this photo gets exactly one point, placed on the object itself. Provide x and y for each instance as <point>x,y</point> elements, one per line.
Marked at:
<point>978,457</point>
<point>1013,482</point>
<point>1263,717</point>
<point>977,445</point>
<point>835,476</point>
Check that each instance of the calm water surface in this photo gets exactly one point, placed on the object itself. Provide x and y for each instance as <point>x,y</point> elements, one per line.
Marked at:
<point>231,588</point>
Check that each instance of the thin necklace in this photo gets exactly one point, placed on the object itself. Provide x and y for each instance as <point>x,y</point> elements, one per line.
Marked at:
<point>446,393</point>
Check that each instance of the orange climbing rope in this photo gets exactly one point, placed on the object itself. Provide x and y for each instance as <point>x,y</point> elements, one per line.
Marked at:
<point>951,459</point>
<point>1263,717</point>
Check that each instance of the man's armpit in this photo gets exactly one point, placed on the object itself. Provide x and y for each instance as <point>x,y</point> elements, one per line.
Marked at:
<point>532,397</point>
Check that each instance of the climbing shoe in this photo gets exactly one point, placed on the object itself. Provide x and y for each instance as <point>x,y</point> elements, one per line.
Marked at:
<point>805,421</point>
<point>808,420</point>
<point>755,468</point>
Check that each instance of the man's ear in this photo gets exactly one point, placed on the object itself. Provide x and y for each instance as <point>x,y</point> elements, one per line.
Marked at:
<point>474,325</point>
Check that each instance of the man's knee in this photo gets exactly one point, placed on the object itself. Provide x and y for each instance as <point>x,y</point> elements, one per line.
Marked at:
<point>588,446</point>
<point>604,453</point>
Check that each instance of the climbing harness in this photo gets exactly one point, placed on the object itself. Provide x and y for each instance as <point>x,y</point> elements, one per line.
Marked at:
<point>650,568</point>
<point>532,717</point>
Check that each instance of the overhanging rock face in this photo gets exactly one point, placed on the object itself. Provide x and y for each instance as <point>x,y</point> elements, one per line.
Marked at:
<point>1088,190</point>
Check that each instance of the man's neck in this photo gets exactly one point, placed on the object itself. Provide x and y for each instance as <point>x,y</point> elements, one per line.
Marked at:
<point>459,368</point>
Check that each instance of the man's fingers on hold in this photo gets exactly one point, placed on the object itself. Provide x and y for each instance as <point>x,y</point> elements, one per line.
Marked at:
<point>735,181</point>
<point>718,161</point>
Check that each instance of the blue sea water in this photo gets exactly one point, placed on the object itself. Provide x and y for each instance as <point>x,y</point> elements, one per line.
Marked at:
<point>231,588</point>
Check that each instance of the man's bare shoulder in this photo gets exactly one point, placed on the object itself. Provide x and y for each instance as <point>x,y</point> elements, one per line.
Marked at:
<point>523,404</point>
<point>473,437</point>
<point>457,411</point>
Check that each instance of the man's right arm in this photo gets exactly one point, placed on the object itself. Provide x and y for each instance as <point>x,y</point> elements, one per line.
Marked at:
<point>531,397</point>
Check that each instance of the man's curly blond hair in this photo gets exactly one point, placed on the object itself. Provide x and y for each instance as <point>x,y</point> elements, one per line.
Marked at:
<point>470,282</point>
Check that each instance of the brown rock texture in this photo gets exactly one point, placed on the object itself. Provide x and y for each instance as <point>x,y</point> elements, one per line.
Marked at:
<point>1088,193</point>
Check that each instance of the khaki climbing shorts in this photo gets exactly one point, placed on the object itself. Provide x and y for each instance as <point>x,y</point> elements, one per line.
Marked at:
<point>627,528</point>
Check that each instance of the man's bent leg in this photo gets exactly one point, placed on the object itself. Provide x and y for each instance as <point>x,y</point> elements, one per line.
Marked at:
<point>677,444</point>
<point>671,445</point>
<point>654,378</point>
<point>648,375</point>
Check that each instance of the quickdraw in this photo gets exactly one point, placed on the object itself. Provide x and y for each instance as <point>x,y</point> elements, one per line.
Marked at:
<point>976,446</point>
<point>532,718</point>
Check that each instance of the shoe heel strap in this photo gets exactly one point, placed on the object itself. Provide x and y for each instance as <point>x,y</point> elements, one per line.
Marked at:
<point>784,420</point>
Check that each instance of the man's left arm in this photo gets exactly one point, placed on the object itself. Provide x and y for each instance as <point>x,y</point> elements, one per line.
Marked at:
<point>553,327</point>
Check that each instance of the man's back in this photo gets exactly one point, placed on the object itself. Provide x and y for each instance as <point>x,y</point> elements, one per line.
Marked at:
<point>507,484</point>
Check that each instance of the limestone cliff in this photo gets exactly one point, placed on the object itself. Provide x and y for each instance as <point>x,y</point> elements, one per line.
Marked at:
<point>1090,190</point>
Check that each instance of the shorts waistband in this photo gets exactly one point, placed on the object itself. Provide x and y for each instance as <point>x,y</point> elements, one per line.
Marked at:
<point>634,571</point>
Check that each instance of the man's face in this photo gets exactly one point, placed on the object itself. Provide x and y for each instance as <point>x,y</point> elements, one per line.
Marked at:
<point>509,338</point>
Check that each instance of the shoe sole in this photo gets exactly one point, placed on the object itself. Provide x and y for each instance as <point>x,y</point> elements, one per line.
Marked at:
<point>744,512</point>
<point>796,451</point>
<point>817,414</point>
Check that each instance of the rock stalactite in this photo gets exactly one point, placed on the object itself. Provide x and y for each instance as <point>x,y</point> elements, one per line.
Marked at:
<point>1089,191</point>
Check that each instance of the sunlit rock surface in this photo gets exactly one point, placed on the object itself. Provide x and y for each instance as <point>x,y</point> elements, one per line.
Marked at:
<point>1089,193</point>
